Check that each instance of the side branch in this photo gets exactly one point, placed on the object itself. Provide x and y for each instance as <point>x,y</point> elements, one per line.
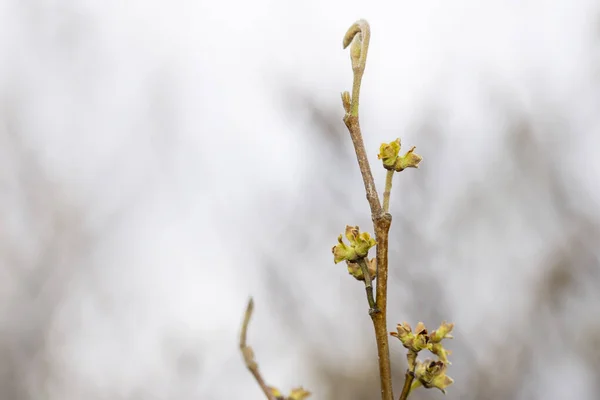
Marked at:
<point>248,353</point>
<point>358,36</point>
<point>388,190</point>
<point>408,380</point>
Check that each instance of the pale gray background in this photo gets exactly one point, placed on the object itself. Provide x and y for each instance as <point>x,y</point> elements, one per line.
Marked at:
<point>160,161</point>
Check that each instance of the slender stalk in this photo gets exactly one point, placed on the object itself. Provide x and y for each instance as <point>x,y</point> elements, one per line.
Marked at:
<point>388,190</point>
<point>361,28</point>
<point>408,380</point>
<point>368,285</point>
<point>248,353</point>
<point>359,35</point>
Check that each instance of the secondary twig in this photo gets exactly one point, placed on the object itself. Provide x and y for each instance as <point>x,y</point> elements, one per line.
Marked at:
<point>359,35</point>
<point>388,190</point>
<point>248,353</point>
<point>408,380</point>
<point>368,285</point>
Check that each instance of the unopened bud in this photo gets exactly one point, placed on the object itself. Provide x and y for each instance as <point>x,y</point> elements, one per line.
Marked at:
<point>346,101</point>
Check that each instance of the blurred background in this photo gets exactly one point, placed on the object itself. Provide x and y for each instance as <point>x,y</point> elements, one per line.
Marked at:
<point>161,161</point>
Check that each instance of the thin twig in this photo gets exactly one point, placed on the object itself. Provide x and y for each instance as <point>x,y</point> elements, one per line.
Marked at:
<point>368,285</point>
<point>388,190</point>
<point>408,380</point>
<point>359,35</point>
<point>248,353</point>
<point>360,32</point>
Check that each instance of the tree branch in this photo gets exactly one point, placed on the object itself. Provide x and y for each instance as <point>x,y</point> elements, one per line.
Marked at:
<point>248,353</point>
<point>359,35</point>
<point>408,380</point>
<point>388,190</point>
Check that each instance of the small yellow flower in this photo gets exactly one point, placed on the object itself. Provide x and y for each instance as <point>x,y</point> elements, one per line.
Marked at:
<point>417,341</point>
<point>360,243</point>
<point>441,352</point>
<point>342,252</point>
<point>432,374</point>
<point>299,394</point>
<point>388,153</point>
<point>443,332</point>
<point>277,393</point>
<point>409,160</point>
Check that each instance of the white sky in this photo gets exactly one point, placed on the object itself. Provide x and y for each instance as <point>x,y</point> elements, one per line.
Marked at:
<point>171,116</point>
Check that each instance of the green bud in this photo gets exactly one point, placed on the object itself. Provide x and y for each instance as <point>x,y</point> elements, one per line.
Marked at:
<point>355,50</point>
<point>346,101</point>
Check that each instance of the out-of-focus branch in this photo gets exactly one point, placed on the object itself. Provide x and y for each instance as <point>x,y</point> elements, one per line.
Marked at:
<point>248,353</point>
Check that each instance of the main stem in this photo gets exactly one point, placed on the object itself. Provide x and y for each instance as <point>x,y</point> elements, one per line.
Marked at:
<point>381,220</point>
<point>381,223</point>
<point>382,227</point>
